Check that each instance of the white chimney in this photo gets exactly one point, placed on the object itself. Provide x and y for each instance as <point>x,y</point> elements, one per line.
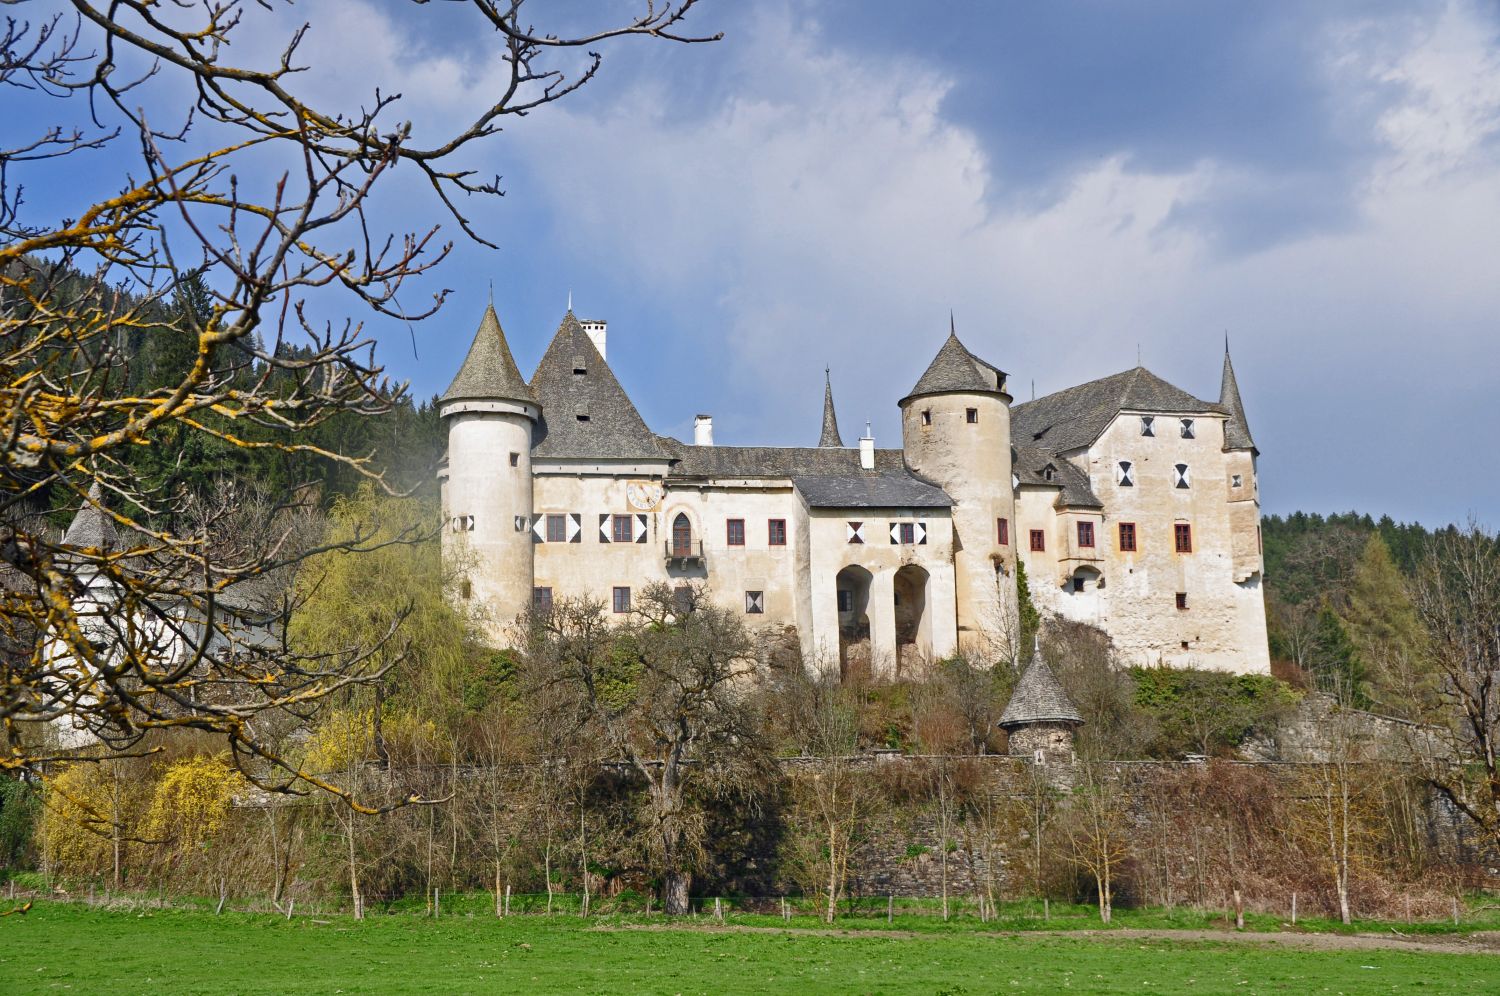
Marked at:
<point>703,430</point>
<point>597,332</point>
<point>867,449</point>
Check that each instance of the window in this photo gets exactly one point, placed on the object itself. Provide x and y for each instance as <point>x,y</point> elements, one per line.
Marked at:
<point>846,600</point>
<point>1181,477</point>
<point>1187,428</point>
<point>1183,532</point>
<point>1085,534</point>
<point>926,416</point>
<point>515,459</point>
<point>855,532</point>
<point>1182,600</point>
<point>620,530</point>
<point>1148,425</point>
<point>734,532</point>
<point>1002,532</point>
<point>1125,476</point>
<point>755,602</point>
<point>541,599</point>
<point>682,536</point>
<point>622,599</point>
<point>971,416</point>
<point>1236,481</point>
<point>1127,537</point>
<point>465,589</point>
<point>557,529</point>
<point>1049,472</point>
<point>579,369</point>
<point>908,531</point>
<point>1077,585</point>
<point>776,532</point>
<point>1038,540</point>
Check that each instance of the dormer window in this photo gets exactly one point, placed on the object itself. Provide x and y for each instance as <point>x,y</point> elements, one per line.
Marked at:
<point>1187,428</point>
<point>1125,477</point>
<point>579,367</point>
<point>1148,425</point>
<point>1049,472</point>
<point>1181,476</point>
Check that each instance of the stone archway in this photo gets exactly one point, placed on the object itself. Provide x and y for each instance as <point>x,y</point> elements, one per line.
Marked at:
<point>913,621</point>
<point>852,587</point>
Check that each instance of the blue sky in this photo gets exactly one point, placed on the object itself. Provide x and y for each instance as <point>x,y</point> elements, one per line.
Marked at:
<point>1077,181</point>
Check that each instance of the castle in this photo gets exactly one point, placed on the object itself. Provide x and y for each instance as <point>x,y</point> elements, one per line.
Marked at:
<point>1131,504</point>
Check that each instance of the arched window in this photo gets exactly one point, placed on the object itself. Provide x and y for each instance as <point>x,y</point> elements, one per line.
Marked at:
<point>682,536</point>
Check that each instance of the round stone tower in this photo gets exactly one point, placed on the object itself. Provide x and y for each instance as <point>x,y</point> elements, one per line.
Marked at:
<point>955,431</point>
<point>486,493</point>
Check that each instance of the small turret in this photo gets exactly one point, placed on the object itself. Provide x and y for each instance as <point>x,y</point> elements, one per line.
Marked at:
<point>1040,718</point>
<point>1236,429</point>
<point>830,436</point>
<point>92,528</point>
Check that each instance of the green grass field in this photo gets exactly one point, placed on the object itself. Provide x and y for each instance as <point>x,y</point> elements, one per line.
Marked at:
<point>69,948</point>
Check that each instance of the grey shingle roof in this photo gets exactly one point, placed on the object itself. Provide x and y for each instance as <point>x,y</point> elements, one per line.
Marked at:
<point>773,461</point>
<point>1237,428</point>
<point>830,435</point>
<point>1030,465</point>
<point>91,527</point>
<point>585,411</point>
<point>489,371</point>
<point>889,490</point>
<point>1075,417</point>
<point>1038,698</point>
<point>954,368</point>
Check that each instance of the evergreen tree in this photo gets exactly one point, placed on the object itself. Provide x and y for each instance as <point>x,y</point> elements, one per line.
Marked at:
<point>1030,619</point>
<point>1385,631</point>
<point>1335,665</point>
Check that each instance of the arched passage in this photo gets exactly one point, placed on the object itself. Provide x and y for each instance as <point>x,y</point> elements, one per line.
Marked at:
<point>913,627</point>
<point>853,591</point>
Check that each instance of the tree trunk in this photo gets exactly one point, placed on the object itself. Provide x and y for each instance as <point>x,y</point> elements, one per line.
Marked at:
<point>354,894</point>
<point>675,892</point>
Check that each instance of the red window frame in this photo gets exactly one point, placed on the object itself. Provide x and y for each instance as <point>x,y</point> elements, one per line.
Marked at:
<point>776,532</point>
<point>734,532</point>
<point>907,531</point>
<point>1002,531</point>
<point>541,598</point>
<point>1127,537</point>
<point>1086,534</point>
<point>1182,533</point>
<point>621,530</point>
<point>1038,540</point>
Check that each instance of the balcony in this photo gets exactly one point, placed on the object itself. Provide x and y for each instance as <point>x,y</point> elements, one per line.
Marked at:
<point>681,555</point>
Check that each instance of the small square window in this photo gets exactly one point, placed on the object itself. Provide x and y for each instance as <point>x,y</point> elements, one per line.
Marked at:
<point>1002,532</point>
<point>1148,425</point>
<point>755,603</point>
<point>1038,540</point>
<point>734,532</point>
<point>776,532</point>
<point>971,415</point>
<point>1187,428</point>
<point>541,599</point>
<point>926,416</point>
<point>1184,644</point>
<point>557,529</point>
<point>1183,532</point>
<point>515,459</point>
<point>1077,585</point>
<point>1182,600</point>
<point>1127,537</point>
<point>622,599</point>
<point>620,529</point>
<point>1236,481</point>
<point>1085,534</point>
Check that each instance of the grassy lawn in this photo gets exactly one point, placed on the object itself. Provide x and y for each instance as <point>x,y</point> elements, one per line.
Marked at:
<point>63,947</point>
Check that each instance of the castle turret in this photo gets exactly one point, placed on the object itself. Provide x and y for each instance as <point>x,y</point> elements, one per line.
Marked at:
<point>1040,718</point>
<point>955,430</point>
<point>830,435</point>
<point>487,502</point>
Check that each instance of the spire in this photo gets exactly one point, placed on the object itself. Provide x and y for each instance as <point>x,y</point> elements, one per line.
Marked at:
<point>92,528</point>
<point>1236,428</point>
<point>1039,697</point>
<point>489,371</point>
<point>830,436</point>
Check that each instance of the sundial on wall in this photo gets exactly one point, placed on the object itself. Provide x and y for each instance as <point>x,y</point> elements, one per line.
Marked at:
<point>644,495</point>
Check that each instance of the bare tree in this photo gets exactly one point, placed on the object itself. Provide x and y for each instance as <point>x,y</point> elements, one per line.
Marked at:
<point>1096,830</point>
<point>242,182</point>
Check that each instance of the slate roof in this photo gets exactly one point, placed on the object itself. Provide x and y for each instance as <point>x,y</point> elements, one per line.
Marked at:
<point>1038,698</point>
<point>586,414</point>
<point>954,368</point>
<point>1236,428</point>
<point>489,371</point>
<point>91,527</point>
<point>1030,464</point>
<point>1074,418</point>
<point>890,490</point>
<point>830,435</point>
<point>773,461</point>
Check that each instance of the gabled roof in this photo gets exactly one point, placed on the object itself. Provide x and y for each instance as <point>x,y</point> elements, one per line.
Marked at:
<point>1236,429</point>
<point>585,411</point>
<point>1038,698</point>
<point>955,369</point>
<point>774,461</point>
<point>489,371</point>
<point>889,490</point>
<point>1030,467</point>
<point>1075,417</point>
<point>92,528</point>
<point>830,435</point>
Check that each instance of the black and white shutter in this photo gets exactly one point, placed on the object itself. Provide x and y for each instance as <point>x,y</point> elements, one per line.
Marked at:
<point>640,529</point>
<point>539,529</point>
<point>855,532</point>
<point>575,527</point>
<point>604,527</point>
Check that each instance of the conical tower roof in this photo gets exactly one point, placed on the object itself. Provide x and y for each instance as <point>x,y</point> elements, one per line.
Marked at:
<point>92,528</point>
<point>489,372</point>
<point>955,369</point>
<point>1039,698</point>
<point>830,436</point>
<point>1236,429</point>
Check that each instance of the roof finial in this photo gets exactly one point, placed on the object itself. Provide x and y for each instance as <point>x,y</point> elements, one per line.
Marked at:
<point>570,302</point>
<point>1137,354</point>
<point>1226,342</point>
<point>492,292</point>
<point>952,329</point>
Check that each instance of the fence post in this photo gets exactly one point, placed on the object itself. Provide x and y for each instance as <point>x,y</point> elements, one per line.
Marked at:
<point>1046,908</point>
<point>1294,909</point>
<point>1239,911</point>
<point>718,910</point>
<point>890,907</point>
<point>649,897</point>
<point>786,914</point>
<point>507,899</point>
<point>436,902</point>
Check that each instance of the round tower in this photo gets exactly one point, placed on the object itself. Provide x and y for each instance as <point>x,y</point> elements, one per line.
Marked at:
<point>486,493</point>
<point>955,432</point>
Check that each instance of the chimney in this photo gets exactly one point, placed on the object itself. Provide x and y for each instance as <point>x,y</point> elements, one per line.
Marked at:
<point>597,333</point>
<point>867,449</point>
<point>703,430</point>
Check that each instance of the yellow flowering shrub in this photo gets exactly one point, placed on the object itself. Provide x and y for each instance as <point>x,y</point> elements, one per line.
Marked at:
<point>75,825</point>
<point>192,800</point>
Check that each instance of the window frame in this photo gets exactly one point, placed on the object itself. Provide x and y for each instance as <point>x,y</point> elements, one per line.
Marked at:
<point>908,533</point>
<point>1148,426</point>
<point>1086,535</point>
<point>541,598</point>
<point>775,532</point>
<point>561,522</point>
<point>1038,540</point>
<point>628,522</point>
<point>1128,541</point>
<point>750,608</point>
<point>1182,601</point>
<point>1125,473</point>
<point>620,599</point>
<point>971,416</point>
<point>1188,428</point>
<point>1002,531</point>
<point>730,532</point>
<point>1184,479</point>
<point>1182,537</point>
